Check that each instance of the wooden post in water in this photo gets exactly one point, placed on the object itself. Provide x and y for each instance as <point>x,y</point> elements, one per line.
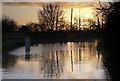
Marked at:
<point>27,48</point>
<point>27,44</point>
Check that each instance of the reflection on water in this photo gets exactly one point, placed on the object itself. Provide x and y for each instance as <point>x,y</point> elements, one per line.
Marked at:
<point>71,60</point>
<point>27,56</point>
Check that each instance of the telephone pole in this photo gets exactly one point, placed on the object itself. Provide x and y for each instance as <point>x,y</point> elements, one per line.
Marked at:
<point>71,17</point>
<point>79,19</point>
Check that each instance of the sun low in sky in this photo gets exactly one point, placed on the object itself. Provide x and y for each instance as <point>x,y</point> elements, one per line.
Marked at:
<point>25,12</point>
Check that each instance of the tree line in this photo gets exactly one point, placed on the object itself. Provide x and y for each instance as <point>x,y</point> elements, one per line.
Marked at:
<point>51,17</point>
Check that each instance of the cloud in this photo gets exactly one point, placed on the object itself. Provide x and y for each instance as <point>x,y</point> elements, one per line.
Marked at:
<point>20,4</point>
<point>66,5</point>
<point>56,0</point>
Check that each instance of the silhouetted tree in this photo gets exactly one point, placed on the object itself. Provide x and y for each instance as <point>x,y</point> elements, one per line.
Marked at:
<point>67,26</point>
<point>35,27</point>
<point>8,25</point>
<point>103,10</point>
<point>79,23</point>
<point>50,15</point>
<point>63,25</point>
<point>113,16</point>
<point>31,26</point>
<point>42,27</point>
<point>24,29</point>
<point>98,22</point>
<point>111,39</point>
<point>92,24</point>
<point>85,23</point>
<point>76,23</point>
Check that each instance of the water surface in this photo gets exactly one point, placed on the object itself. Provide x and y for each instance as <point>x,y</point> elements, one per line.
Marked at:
<point>71,60</point>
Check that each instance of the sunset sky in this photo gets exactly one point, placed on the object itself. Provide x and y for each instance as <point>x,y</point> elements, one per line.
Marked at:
<point>25,12</point>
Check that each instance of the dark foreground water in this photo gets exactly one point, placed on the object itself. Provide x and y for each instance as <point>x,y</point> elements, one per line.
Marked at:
<point>71,60</point>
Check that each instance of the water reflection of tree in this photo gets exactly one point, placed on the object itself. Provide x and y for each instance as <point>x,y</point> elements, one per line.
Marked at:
<point>71,60</point>
<point>54,62</point>
<point>9,61</point>
<point>51,63</point>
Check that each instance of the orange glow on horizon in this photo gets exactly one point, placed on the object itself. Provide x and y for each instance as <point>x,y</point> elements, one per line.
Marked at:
<point>84,13</point>
<point>29,14</point>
